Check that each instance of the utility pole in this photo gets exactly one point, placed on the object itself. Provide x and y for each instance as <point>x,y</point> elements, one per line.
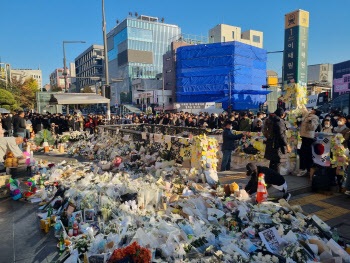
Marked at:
<point>163,88</point>
<point>106,58</point>
<point>64,68</point>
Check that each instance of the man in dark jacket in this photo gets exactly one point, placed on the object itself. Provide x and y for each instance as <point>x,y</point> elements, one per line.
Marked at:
<point>228,145</point>
<point>277,148</point>
<point>270,176</point>
<point>7,124</point>
<point>19,127</point>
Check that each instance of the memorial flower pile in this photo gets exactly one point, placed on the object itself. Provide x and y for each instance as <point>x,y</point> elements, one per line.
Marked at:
<point>145,207</point>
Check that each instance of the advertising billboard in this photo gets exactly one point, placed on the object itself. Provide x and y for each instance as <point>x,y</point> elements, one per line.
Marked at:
<point>341,78</point>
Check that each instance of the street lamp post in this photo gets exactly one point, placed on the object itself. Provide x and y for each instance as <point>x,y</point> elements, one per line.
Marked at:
<point>105,56</point>
<point>163,89</point>
<point>64,62</point>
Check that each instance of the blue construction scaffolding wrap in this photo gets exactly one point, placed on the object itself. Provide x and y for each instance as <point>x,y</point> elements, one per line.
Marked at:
<point>203,74</point>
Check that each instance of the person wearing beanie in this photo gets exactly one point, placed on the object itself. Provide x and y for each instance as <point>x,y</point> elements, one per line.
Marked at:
<point>270,176</point>
<point>277,148</point>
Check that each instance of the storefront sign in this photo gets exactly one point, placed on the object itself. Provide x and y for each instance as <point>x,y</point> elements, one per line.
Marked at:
<point>194,106</point>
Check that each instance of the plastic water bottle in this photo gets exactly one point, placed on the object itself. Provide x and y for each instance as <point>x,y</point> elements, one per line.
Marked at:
<point>57,230</point>
<point>335,235</point>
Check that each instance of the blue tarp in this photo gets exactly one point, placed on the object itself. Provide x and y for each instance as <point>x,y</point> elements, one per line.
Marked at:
<point>203,74</point>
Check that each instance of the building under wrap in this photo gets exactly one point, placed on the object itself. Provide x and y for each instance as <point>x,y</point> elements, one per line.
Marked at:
<point>203,74</point>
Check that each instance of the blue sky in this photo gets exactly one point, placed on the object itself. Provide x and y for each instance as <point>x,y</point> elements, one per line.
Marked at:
<point>32,31</point>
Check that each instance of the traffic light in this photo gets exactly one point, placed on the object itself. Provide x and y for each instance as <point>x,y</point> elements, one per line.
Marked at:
<point>281,104</point>
<point>326,97</point>
<point>229,108</point>
<point>107,92</point>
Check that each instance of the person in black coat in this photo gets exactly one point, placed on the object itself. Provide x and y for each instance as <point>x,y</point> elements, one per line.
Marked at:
<point>277,148</point>
<point>228,145</point>
<point>70,123</point>
<point>213,121</point>
<point>270,176</point>
<point>7,124</point>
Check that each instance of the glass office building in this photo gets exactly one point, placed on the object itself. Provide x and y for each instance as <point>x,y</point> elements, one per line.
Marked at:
<point>135,50</point>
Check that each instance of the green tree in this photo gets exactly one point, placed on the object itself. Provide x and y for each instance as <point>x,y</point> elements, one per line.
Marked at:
<point>7,100</point>
<point>87,89</point>
<point>56,89</point>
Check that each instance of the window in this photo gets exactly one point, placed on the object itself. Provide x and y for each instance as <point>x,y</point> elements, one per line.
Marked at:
<point>223,39</point>
<point>256,39</point>
<point>148,100</point>
<point>137,101</point>
<point>170,100</point>
<point>233,34</point>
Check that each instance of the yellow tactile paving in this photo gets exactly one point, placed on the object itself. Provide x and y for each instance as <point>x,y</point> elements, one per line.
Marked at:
<point>322,204</point>
<point>329,211</point>
<point>310,199</point>
<point>232,177</point>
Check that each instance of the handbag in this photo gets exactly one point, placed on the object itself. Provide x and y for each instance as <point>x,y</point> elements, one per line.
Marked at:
<point>250,150</point>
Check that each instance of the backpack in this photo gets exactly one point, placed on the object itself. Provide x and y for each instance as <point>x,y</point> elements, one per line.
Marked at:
<point>268,128</point>
<point>321,180</point>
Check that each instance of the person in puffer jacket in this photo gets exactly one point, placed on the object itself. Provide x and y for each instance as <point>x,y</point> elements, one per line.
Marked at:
<point>310,122</point>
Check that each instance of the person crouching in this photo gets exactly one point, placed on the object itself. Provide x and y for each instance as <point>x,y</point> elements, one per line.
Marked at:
<point>271,177</point>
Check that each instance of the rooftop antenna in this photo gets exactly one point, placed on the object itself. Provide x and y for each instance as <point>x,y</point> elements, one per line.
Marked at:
<point>136,14</point>
<point>130,14</point>
<point>117,21</point>
<point>162,20</point>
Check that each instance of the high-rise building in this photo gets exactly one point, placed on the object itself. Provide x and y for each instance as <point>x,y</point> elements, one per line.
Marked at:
<point>169,59</point>
<point>57,79</point>
<point>227,33</point>
<point>319,79</point>
<point>230,74</point>
<point>135,50</point>
<point>89,64</point>
<point>23,74</point>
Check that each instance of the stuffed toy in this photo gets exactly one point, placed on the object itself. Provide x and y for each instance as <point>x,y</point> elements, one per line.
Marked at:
<point>32,187</point>
<point>117,161</point>
<point>14,188</point>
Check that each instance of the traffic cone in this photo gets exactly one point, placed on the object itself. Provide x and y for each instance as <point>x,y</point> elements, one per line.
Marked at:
<point>261,195</point>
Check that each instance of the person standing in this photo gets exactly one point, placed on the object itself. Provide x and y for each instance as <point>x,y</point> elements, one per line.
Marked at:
<point>246,123</point>
<point>327,128</point>
<point>19,127</point>
<point>307,133</point>
<point>258,118</point>
<point>7,124</point>
<point>277,148</point>
<point>228,145</point>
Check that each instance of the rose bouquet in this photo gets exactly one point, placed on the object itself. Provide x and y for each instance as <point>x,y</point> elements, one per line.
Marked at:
<point>132,253</point>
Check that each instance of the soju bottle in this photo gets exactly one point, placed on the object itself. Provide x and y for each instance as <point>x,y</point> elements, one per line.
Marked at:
<point>62,244</point>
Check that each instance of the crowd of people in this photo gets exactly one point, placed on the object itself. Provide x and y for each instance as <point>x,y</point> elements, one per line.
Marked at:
<point>244,121</point>
<point>273,127</point>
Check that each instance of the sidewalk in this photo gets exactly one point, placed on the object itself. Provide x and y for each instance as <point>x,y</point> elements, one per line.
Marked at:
<point>296,185</point>
<point>333,208</point>
<point>22,241</point>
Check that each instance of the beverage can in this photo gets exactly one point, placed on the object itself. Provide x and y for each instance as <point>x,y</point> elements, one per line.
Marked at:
<point>42,224</point>
<point>47,227</point>
<point>49,221</point>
